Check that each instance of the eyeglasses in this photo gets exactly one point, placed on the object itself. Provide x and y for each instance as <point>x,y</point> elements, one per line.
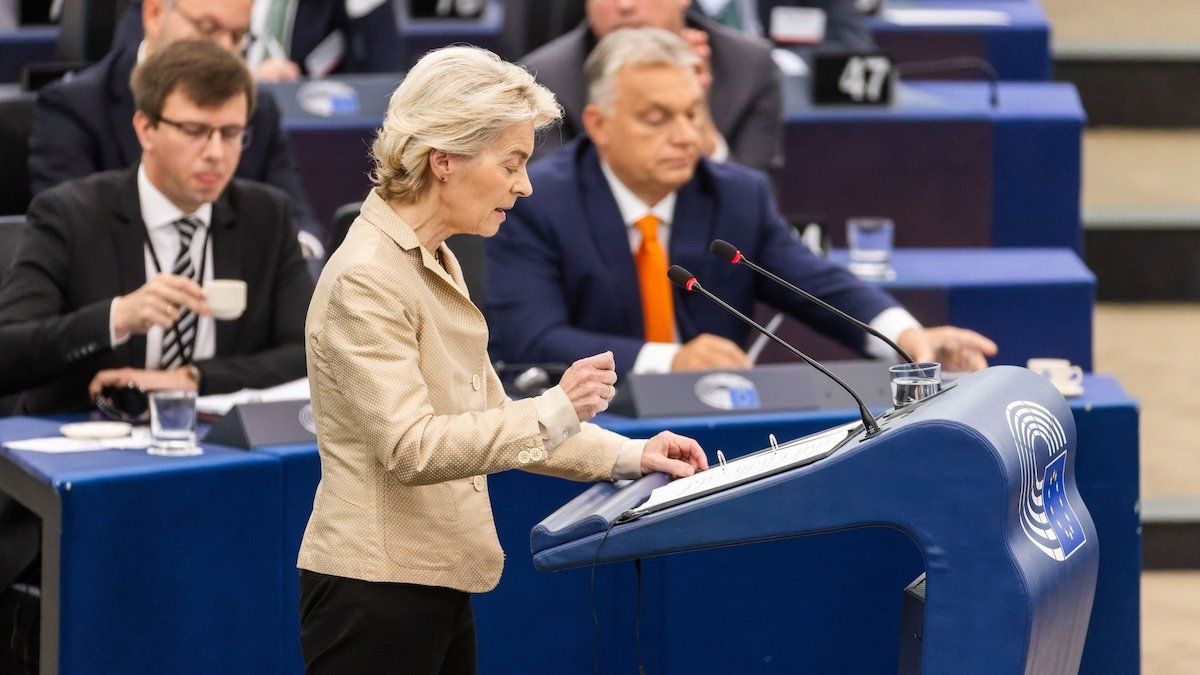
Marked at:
<point>200,133</point>
<point>211,30</point>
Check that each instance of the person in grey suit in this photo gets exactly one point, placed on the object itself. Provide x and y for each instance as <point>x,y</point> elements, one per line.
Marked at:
<point>744,117</point>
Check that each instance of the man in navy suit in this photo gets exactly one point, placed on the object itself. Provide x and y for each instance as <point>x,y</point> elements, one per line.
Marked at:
<point>84,124</point>
<point>565,273</point>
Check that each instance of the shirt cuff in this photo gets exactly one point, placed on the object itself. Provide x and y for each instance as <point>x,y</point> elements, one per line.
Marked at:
<point>720,154</point>
<point>629,460</point>
<point>891,322</point>
<point>655,357</point>
<point>113,340</point>
<point>556,417</point>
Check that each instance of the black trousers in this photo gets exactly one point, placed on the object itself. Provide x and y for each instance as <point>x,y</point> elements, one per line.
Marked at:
<point>353,626</point>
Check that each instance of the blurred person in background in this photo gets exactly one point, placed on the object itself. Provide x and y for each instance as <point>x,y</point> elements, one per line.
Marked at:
<point>741,118</point>
<point>83,124</point>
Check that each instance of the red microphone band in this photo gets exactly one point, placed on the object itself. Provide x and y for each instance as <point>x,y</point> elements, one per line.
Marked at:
<point>690,283</point>
<point>737,257</point>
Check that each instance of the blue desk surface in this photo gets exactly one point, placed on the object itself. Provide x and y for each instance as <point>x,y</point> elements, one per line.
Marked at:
<point>1032,302</point>
<point>962,268</point>
<point>947,167</point>
<point>1021,15</point>
<point>57,470</point>
<point>26,45</point>
<point>1019,49</point>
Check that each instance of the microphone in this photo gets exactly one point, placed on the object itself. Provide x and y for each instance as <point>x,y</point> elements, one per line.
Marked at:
<point>956,63</point>
<point>685,280</point>
<point>728,252</point>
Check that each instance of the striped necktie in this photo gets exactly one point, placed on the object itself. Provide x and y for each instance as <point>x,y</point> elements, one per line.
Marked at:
<point>179,340</point>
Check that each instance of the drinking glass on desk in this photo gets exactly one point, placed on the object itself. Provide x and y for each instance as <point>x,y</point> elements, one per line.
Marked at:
<point>173,424</point>
<point>870,242</point>
<point>912,382</point>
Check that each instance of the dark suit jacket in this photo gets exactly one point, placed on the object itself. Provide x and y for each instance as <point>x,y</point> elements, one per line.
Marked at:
<point>562,283</point>
<point>370,39</point>
<point>745,100</point>
<point>84,246</point>
<point>85,124</point>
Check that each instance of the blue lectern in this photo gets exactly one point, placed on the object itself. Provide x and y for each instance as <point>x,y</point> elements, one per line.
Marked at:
<point>979,476</point>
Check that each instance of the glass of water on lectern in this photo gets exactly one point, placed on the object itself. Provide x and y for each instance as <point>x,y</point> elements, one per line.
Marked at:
<point>912,382</point>
<point>870,243</point>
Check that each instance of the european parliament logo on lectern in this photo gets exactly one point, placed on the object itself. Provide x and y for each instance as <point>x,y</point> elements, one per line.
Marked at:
<point>1047,517</point>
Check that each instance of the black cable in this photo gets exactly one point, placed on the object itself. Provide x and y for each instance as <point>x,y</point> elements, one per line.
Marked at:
<point>592,601</point>
<point>947,65</point>
<point>637,624</point>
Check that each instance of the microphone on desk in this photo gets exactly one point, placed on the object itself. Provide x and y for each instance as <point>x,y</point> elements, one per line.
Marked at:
<point>728,252</point>
<point>956,63</point>
<point>685,280</point>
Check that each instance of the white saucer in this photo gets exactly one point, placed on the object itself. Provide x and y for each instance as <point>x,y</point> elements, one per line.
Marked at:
<point>1071,391</point>
<point>95,430</point>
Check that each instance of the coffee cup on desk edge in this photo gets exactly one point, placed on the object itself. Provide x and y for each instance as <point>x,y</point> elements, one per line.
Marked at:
<point>1066,378</point>
<point>226,298</point>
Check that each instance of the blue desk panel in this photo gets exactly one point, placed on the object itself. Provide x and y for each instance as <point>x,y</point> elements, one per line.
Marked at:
<point>818,604</point>
<point>1031,302</point>
<point>948,168</point>
<point>167,564</point>
<point>1017,50</point>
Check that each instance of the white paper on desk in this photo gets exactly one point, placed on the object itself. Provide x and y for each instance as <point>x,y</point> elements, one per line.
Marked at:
<point>750,466</point>
<point>219,404</point>
<point>915,16</point>
<point>139,440</point>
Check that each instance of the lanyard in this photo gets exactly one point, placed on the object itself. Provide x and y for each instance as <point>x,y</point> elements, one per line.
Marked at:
<point>187,356</point>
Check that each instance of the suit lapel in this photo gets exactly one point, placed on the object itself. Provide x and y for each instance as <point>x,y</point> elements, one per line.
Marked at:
<point>574,87</point>
<point>609,234</point>
<point>129,241</point>
<point>227,264</point>
<point>120,111</point>
<point>691,232</point>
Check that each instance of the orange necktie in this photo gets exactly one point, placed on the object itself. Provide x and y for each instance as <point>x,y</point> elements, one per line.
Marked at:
<point>658,314</point>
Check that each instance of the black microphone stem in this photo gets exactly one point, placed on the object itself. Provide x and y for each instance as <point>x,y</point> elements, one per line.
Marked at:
<point>867,418</point>
<point>809,296</point>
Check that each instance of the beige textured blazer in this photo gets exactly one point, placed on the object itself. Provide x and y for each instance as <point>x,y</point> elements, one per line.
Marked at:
<point>411,417</point>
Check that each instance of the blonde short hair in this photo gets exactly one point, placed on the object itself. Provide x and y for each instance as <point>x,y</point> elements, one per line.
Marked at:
<point>457,100</point>
<point>632,47</point>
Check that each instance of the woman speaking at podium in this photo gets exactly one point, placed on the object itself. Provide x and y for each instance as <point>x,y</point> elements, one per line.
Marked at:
<point>411,417</point>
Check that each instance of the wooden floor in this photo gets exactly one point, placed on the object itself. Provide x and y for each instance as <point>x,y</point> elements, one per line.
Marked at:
<point>1153,349</point>
<point>1159,23</point>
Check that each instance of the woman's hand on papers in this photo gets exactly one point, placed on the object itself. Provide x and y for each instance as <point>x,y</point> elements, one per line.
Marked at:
<point>675,455</point>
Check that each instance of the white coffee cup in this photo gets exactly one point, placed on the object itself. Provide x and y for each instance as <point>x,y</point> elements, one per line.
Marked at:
<point>1066,378</point>
<point>226,298</point>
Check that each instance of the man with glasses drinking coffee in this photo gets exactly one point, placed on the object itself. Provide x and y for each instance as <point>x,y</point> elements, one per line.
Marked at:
<point>82,124</point>
<point>107,288</point>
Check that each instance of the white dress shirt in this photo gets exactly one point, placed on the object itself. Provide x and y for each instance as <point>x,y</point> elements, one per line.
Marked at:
<point>656,357</point>
<point>159,216</point>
